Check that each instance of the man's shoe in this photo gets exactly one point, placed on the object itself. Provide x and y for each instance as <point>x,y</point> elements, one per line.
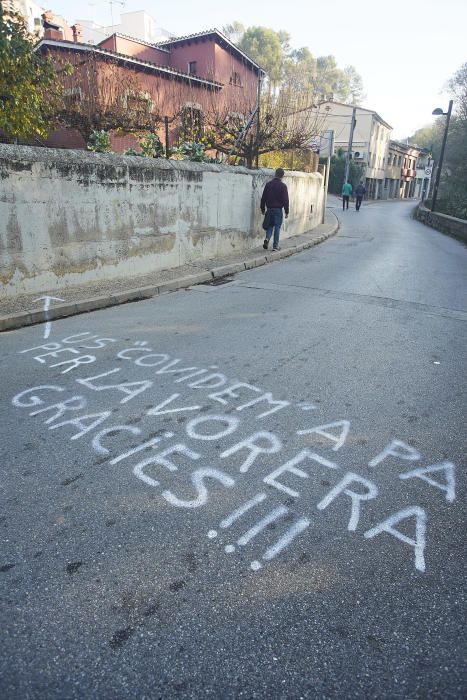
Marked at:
<point>265,244</point>
<point>276,248</point>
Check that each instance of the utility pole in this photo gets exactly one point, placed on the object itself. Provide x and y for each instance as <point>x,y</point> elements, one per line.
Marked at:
<point>349,147</point>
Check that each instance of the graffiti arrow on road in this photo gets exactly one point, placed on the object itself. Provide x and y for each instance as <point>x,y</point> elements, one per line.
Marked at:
<point>47,301</point>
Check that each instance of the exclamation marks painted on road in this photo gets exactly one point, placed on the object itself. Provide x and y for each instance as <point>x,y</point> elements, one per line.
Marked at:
<point>275,514</point>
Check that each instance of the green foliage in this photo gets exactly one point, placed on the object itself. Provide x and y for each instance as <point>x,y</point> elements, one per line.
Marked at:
<point>298,68</point>
<point>295,159</point>
<point>330,79</point>
<point>151,146</point>
<point>458,88</point>
<point>452,193</point>
<point>99,142</point>
<point>337,172</point>
<point>234,31</point>
<point>132,152</point>
<point>353,83</point>
<point>429,137</point>
<point>28,87</point>
<point>264,47</point>
<point>193,150</point>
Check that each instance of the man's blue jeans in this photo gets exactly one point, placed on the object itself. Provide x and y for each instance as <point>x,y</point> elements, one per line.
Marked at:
<point>276,218</point>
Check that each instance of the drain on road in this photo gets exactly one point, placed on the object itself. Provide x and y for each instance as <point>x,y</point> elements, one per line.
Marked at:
<point>218,280</point>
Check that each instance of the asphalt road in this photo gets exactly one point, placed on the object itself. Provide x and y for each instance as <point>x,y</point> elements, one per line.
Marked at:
<point>250,490</point>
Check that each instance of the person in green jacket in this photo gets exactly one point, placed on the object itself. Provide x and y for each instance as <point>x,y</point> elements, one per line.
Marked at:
<point>346,192</point>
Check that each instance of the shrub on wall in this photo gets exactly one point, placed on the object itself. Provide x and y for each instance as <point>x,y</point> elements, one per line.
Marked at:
<point>151,146</point>
<point>192,150</point>
<point>337,173</point>
<point>99,142</point>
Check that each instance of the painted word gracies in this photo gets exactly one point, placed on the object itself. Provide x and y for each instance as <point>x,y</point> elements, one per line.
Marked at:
<point>212,410</point>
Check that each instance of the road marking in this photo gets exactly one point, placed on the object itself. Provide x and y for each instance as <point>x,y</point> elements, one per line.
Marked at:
<point>47,301</point>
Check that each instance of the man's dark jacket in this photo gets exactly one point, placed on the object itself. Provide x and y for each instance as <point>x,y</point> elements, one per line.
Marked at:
<point>275,196</point>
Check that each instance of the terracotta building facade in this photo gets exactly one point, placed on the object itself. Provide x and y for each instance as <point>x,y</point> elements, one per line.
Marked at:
<point>180,78</point>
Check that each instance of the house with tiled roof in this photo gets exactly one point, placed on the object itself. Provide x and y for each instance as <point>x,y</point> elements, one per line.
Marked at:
<point>181,75</point>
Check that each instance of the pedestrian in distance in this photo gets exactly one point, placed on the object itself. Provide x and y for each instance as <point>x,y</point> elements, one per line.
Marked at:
<point>359,194</point>
<point>274,202</point>
<point>346,192</point>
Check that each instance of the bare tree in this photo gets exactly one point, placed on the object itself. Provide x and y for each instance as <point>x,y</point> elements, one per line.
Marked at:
<point>287,121</point>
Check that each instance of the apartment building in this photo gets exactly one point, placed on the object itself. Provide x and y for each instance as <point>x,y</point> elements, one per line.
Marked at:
<point>31,11</point>
<point>370,140</point>
<point>400,176</point>
<point>139,24</point>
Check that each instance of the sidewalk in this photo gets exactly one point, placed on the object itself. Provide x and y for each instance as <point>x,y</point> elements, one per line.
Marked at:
<point>28,309</point>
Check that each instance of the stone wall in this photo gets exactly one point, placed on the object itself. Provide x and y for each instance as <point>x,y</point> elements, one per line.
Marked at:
<point>442,222</point>
<point>69,217</point>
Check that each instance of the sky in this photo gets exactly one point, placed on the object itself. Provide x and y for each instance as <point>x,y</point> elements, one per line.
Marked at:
<point>405,50</point>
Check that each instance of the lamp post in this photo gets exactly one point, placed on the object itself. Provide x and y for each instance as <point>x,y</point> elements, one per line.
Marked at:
<point>438,112</point>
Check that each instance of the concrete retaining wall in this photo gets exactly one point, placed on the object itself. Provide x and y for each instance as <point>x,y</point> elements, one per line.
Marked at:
<point>68,217</point>
<point>443,222</point>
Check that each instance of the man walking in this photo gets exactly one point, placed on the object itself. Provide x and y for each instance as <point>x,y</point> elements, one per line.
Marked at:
<point>275,198</point>
<point>359,194</point>
<point>346,192</point>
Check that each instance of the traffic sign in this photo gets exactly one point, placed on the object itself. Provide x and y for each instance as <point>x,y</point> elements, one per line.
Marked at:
<point>314,145</point>
<point>427,172</point>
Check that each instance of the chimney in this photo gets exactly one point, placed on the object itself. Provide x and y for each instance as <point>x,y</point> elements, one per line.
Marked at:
<point>51,29</point>
<point>77,33</point>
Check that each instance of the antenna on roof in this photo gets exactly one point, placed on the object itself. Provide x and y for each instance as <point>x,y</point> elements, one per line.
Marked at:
<point>112,3</point>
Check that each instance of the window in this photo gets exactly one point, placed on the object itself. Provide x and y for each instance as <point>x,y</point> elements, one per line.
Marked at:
<point>192,68</point>
<point>192,123</point>
<point>236,79</point>
<point>235,120</point>
<point>138,104</point>
<point>72,96</point>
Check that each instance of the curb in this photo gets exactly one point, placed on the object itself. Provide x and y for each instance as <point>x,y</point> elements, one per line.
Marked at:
<point>29,318</point>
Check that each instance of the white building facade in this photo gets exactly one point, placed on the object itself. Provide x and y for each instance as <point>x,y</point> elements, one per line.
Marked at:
<point>139,25</point>
<point>31,11</point>
<point>370,141</point>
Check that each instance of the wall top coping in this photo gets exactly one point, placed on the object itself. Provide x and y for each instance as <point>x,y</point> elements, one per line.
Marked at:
<point>11,152</point>
<point>454,219</point>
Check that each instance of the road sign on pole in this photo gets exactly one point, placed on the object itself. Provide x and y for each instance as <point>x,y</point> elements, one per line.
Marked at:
<point>314,145</point>
<point>326,147</point>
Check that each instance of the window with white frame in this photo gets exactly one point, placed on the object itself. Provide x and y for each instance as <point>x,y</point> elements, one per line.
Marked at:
<point>138,102</point>
<point>72,96</point>
<point>236,79</point>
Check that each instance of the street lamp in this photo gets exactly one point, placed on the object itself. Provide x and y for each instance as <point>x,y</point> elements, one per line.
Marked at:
<point>438,112</point>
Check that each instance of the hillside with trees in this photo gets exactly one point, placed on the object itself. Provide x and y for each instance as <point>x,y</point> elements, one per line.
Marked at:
<point>286,65</point>
<point>452,195</point>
